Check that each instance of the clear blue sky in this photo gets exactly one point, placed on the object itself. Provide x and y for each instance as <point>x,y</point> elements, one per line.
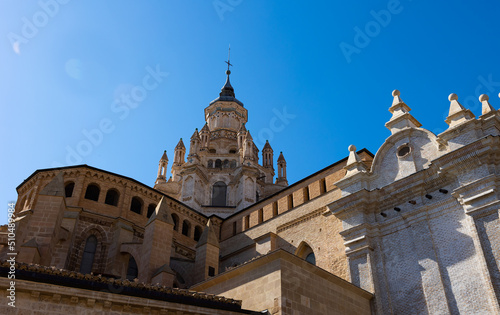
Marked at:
<point>65,66</point>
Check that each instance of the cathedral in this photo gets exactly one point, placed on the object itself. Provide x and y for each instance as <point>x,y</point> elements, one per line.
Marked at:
<point>412,229</point>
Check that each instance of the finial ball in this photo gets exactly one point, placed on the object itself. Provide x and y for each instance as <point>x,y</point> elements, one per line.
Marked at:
<point>483,97</point>
<point>453,97</point>
<point>395,93</point>
<point>352,148</point>
<point>228,72</point>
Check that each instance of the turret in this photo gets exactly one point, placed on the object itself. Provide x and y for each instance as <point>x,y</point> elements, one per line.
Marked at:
<point>267,156</point>
<point>162,169</point>
<point>205,137</point>
<point>195,144</point>
<point>282,171</point>
<point>242,132</point>
<point>248,152</point>
<point>180,151</point>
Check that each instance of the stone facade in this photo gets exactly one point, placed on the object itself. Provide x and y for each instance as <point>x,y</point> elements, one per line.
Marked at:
<point>413,229</point>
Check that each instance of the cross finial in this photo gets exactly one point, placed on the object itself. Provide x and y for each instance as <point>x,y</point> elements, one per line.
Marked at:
<point>228,72</point>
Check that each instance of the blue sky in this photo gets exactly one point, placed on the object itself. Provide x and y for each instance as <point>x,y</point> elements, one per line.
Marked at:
<point>323,70</point>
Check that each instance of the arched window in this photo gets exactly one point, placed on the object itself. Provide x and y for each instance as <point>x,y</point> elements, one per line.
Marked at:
<point>112,197</point>
<point>232,164</point>
<point>132,270</point>
<point>311,258</point>
<point>305,252</point>
<point>136,205</point>
<point>219,194</point>
<point>212,151</point>
<point>197,233</point>
<point>186,228</point>
<point>92,192</point>
<point>68,189</point>
<point>88,255</point>
<point>218,163</point>
<point>151,209</point>
<point>225,164</point>
<point>232,151</point>
<point>210,164</point>
<point>176,221</point>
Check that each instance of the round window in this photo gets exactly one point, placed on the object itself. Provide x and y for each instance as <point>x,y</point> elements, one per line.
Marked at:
<point>404,150</point>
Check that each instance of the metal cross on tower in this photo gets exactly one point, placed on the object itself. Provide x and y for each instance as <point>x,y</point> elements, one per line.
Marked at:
<point>228,72</point>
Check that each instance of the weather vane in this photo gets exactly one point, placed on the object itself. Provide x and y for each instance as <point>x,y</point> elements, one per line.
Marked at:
<point>228,72</point>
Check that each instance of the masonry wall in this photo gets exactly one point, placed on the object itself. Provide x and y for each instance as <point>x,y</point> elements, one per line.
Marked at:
<point>285,284</point>
<point>310,223</point>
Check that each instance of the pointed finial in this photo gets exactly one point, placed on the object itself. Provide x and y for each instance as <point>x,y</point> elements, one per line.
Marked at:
<point>486,108</point>
<point>354,163</point>
<point>397,99</point>
<point>457,114</point>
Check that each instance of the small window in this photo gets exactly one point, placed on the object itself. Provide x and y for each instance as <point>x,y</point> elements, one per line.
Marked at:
<point>112,197</point>
<point>212,151</point>
<point>322,186</point>
<point>88,255</point>
<point>232,151</point>
<point>218,163</point>
<point>306,193</point>
<point>211,271</point>
<point>261,215</point>
<point>151,210</point>
<point>232,164</point>
<point>92,192</point>
<point>176,221</point>
<point>132,270</point>
<point>235,226</point>
<point>68,189</point>
<point>219,192</point>
<point>290,201</point>
<point>210,164</point>
<point>275,209</point>
<point>136,205</point>
<point>246,220</point>
<point>197,233</point>
<point>225,164</point>
<point>186,228</point>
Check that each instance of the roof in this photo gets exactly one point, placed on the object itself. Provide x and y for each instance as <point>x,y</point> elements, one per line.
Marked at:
<point>62,277</point>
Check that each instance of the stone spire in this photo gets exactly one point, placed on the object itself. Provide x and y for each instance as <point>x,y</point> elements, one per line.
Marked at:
<point>195,143</point>
<point>354,163</point>
<point>209,235</point>
<point>55,187</point>
<point>458,114</point>
<point>267,155</point>
<point>162,213</point>
<point>282,170</point>
<point>401,117</point>
<point>486,106</point>
<point>162,169</point>
<point>205,137</point>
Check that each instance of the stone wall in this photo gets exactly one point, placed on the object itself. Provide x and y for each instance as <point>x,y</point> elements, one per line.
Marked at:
<point>285,284</point>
